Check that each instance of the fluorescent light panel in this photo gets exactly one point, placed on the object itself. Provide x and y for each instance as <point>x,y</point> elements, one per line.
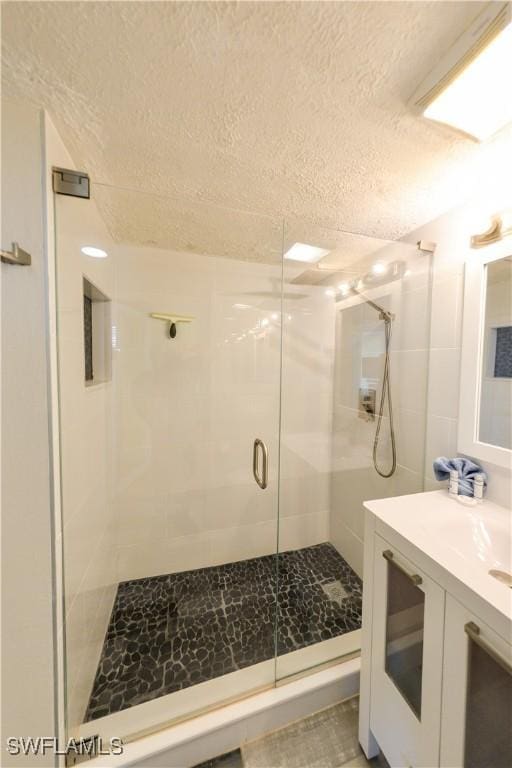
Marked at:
<point>478,100</point>
<point>305,252</point>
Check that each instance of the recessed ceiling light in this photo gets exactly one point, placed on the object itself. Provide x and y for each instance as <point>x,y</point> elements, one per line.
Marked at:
<point>343,288</point>
<point>96,253</point>
<point>379,268</point>
<point>305,252</point>
<point>330,292</point>
<point>468,89</point>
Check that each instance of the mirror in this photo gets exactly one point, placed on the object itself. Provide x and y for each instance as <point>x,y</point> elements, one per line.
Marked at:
<point>485,403</point>
<point>495,417</point>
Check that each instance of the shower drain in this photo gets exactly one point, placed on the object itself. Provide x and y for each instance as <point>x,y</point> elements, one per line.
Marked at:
<point>503,576</point>
<point>335,591</point>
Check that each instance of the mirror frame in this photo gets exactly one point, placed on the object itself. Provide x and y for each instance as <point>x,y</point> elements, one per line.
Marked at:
<point>472,353</point>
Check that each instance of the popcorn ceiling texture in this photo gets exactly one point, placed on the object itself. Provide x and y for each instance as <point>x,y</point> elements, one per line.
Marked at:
<point>286,109</point>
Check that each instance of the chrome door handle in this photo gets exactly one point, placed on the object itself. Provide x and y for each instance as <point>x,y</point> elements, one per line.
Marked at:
<point>262,481</point>
<point>473,632</point>
<point>414,577</point>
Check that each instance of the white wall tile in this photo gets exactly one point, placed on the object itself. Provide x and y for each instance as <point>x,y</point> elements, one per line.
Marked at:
<point>441,441</point>
<point>443,388</point>
<point>446,311</point>
<point>186,412</point>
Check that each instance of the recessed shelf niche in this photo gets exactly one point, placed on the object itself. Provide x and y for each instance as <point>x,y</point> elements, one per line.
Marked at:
<point>97,335</point>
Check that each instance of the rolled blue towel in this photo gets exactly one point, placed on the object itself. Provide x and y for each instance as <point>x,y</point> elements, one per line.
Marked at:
<point>466,468</point>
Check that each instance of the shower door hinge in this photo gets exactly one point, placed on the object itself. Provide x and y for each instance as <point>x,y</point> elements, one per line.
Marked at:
<point>85,748</point>
<point>427,246</point>
<point>72,183</point>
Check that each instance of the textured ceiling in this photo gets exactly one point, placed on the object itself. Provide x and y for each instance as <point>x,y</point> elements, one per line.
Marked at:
<point>287,109</point>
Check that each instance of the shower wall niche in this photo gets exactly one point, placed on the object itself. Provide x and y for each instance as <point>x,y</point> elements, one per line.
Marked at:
<point>97,335</point>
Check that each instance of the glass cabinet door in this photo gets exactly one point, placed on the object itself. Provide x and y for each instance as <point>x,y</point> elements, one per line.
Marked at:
<point>404,632</point>
<point>488,739</point>
<point>476,730</point>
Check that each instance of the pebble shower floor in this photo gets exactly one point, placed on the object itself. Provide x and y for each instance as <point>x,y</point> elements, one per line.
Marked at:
<point>173,631</point>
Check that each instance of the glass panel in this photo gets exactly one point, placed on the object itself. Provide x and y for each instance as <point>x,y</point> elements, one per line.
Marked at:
<point>488,712</point>
<point>404,636</point>
<point>334,357</point>
<point>169,543</point>
<point>495,422</point>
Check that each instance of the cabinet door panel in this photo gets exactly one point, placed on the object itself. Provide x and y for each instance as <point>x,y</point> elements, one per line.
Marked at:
<point>477,693</point>
<point>405,619</point>
<point>407,647</point>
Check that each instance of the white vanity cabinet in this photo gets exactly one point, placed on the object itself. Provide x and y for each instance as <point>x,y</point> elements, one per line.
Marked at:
<point>436,658</point>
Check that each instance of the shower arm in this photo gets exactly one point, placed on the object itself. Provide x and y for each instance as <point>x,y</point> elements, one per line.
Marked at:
<point>383,313</point>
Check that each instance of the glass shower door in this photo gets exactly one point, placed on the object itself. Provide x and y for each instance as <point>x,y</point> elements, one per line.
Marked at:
<point>169,345</point>
<point>352,307</point>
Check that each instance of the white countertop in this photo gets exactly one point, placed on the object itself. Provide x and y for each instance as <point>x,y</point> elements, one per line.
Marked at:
<point>466,542</point>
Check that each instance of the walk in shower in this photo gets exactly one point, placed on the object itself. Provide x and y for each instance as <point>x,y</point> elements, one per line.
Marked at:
<point>220,375</point>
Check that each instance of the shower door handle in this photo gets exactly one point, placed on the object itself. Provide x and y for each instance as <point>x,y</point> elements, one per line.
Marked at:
<point>262,481</point>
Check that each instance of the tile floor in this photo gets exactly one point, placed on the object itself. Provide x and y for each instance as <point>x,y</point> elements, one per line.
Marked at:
<point>326,739</point>
<point>173,631</point>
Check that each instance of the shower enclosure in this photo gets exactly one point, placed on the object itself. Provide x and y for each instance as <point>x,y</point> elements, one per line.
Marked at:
<point>218,397</point>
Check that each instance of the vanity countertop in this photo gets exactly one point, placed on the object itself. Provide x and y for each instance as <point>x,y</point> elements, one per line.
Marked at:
<point>465,542</point>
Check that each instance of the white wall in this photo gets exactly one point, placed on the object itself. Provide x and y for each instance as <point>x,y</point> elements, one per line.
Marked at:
<point>451,232</point>
<point>360,362</point>
<point>28,685</point>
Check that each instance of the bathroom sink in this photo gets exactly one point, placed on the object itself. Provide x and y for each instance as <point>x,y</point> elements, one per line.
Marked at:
<point>467,542</point>
<point>479,537</point>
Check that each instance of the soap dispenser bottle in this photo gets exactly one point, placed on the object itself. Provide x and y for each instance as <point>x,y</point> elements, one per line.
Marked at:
<point>478,487</point>
<point>453,488</point>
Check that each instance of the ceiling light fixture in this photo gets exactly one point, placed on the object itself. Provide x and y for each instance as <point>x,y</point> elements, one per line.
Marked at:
<point>305,252</point>
<point>467,90</point>
<point>379,268</point>
<point>96,253</point>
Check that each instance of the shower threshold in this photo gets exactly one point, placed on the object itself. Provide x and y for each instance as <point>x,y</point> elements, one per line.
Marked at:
<point>168,633</point>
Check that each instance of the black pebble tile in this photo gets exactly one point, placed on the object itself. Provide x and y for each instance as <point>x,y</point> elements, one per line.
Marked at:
<point>169,632</point>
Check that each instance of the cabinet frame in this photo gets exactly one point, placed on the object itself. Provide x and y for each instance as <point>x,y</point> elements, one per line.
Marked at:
<point>404,738</point>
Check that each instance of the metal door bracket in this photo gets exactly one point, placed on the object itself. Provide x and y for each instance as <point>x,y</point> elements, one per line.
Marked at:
<point>72,183</point>
<point>427,246</point>
<point>16,256</point>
